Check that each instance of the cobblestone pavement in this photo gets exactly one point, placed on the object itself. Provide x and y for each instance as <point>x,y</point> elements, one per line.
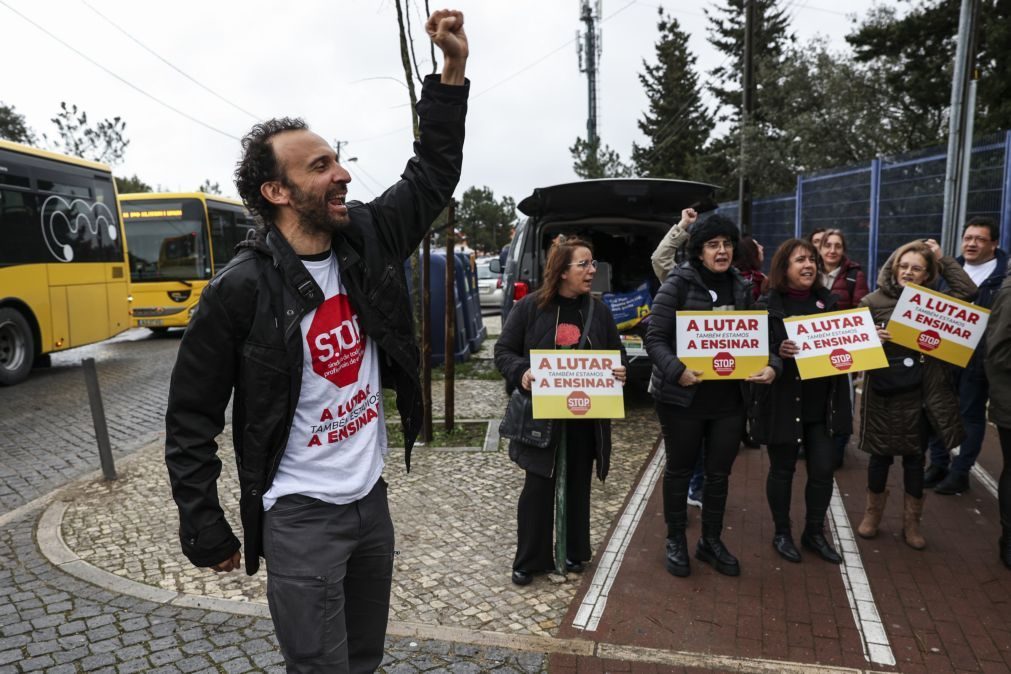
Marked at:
<point>47,437</point>
<point>52,621</point>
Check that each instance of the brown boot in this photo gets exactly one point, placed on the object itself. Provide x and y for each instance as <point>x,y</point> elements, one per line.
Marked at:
<point>912,511</point>
<point>872,517</point>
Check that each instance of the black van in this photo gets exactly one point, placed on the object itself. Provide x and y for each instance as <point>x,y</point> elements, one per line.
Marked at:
<point>624,219</point>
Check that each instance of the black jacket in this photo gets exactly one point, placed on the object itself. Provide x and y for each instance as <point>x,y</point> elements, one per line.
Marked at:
<point>684,290</point>
<point>528,327</point>
<point>245,336</point>
<point>775,411</point>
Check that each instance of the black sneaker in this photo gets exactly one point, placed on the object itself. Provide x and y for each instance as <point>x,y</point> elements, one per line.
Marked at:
<point>954,483</point>
<point>933,475</point>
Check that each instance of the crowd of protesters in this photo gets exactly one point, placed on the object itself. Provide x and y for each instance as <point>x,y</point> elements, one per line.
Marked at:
<point>916,407</point>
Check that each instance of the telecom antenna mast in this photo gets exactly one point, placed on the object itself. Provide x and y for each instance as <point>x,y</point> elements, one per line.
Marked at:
<point>588,46</point>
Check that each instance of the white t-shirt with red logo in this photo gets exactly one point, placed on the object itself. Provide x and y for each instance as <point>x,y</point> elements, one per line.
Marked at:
<point>337,442</point>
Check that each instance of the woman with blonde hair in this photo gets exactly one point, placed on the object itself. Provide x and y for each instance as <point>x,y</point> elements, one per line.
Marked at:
<point>911,398</point>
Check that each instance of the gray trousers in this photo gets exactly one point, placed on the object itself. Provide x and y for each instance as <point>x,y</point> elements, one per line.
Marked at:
<point>329,571</point>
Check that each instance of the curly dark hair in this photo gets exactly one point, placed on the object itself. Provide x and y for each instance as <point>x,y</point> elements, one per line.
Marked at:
<point>259,165</point>
<point>710,228</point>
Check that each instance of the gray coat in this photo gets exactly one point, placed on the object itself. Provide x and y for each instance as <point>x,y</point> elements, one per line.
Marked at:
<point>998,356</point>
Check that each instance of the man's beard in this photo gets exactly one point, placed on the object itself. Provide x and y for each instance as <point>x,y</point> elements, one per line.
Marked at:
<point>313,214</point>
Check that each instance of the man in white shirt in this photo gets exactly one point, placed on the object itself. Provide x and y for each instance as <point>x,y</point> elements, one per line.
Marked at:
<point>985,263</point>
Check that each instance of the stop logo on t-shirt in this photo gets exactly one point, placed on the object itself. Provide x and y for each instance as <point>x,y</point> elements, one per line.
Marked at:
<point>335,343</point>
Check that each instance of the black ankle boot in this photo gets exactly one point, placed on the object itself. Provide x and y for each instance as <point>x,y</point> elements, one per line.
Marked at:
<point>712,551</point>
<point>677,556</point>
<point>784,545</point>
<point>814,540</point>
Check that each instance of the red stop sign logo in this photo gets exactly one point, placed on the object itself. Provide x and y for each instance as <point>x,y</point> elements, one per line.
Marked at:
<point>336,345</point>
<point>841,359</point>
<point>929,340</point>
<point>724,363</point>
<point>578,403</point>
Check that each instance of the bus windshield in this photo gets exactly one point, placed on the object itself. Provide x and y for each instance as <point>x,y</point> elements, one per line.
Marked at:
<point>167,240</point>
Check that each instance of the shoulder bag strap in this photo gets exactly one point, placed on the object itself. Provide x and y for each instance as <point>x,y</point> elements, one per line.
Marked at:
<point>586,323</point>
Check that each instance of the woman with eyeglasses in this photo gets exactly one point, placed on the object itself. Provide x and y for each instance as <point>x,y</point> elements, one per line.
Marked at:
<point>901,405</point>
<point>795,413</point>
<point>554,317</point>
<point>693,412</point>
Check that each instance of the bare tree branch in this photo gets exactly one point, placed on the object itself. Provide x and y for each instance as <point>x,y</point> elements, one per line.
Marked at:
<point>405,58</point>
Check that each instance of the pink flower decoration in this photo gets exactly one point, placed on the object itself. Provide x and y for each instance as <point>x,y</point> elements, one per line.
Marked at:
<point>567,335</point>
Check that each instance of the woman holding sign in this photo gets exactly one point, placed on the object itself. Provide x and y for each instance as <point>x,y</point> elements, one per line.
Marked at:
<point>792,412</point>
<point>555,317</point>
<point>694,412</point>
<point>914,396</point>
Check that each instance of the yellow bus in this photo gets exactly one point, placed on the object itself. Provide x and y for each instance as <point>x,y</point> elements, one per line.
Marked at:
<point>63,280</point>
<point>176,242</point>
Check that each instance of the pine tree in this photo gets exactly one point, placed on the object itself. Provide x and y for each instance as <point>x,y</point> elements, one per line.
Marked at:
<point>677,124</point>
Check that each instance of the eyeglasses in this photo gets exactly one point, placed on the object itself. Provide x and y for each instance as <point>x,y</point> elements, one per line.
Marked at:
<point>912,268</point>
<point>583,264</point>
<point>719,245</point>
<point>976,239</point>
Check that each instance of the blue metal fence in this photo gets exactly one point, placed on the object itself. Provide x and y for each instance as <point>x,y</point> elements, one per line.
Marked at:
<point>885,203</point>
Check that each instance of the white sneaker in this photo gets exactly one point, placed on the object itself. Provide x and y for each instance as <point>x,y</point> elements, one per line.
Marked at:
<point>695,499</point>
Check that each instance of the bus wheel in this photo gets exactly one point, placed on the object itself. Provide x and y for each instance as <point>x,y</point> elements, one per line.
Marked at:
<point>16,347</point>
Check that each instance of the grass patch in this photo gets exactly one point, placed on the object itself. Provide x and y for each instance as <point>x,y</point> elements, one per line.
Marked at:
<point>469,434</point>
<point>472,369</point>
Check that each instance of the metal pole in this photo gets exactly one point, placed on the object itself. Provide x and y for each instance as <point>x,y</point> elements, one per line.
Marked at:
<point>98,417</point>
<point>1005,198</point>
<point>426,339</point>
<point>798,215</point>
<point>956,127</point>
<point>747,107</point>
<point>875,224</point>
<point>963,183</point>
<point>450,316</point>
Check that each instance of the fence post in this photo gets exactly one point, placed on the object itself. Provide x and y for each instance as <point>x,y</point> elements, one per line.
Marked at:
<point>874,231</point>
<point>797,218</point>
<point>1005,197</point>
<point>98,418</point>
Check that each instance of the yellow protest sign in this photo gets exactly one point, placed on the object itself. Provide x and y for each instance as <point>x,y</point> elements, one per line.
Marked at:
<point>723,344</point>
<point>836,342</point>
<point>937,325</point>
<point>576,385</point>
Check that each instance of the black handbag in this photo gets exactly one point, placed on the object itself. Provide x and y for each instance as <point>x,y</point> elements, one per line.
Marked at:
<point>903,374</point>
<point>519,424</point>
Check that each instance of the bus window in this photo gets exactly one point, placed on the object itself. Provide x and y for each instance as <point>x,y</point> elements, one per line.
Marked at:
<point>167,240</point>
<point>228,229</point>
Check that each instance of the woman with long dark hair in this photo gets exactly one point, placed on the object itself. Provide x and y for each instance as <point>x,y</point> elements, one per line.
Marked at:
<point>694,412</point>
<point>914,396</point>
<point>793,413</point>
<point>840,274</point>
<point>748,258</point>
<point>554,317</point>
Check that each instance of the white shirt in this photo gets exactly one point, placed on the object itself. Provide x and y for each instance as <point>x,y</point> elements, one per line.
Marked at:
<point>980,272</point>
<point>337,442</point>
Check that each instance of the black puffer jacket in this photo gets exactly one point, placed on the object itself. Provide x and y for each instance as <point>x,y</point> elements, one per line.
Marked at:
<point>775,411</point>
<point>529,327</point>
<point>245,336</point>
<point>684,290</point>
<point>891,425</point>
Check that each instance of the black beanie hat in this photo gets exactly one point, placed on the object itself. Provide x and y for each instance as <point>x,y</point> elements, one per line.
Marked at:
<point>710,228</point>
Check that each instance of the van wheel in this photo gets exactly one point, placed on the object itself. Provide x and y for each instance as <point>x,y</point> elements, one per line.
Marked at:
<point>17,349</point>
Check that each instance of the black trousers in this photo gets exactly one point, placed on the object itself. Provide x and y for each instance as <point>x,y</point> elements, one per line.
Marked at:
<point>683,441</point>
<point>820,457</point>
<point>1004,485</point>
<point>912,466</point>
<point>329,573</point>
<point>535,513</point>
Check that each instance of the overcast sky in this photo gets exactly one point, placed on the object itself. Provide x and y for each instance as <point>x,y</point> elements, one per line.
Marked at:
<point>337,64</point>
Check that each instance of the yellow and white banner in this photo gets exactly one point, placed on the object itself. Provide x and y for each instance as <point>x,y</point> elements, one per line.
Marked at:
<point>937,325</point>
<point>723,344</point>
<point>836,342</point>
<point>576,384</point>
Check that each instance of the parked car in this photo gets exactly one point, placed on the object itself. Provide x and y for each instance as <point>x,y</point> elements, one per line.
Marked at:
<point>624,219</point>
<point>489,283</point>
